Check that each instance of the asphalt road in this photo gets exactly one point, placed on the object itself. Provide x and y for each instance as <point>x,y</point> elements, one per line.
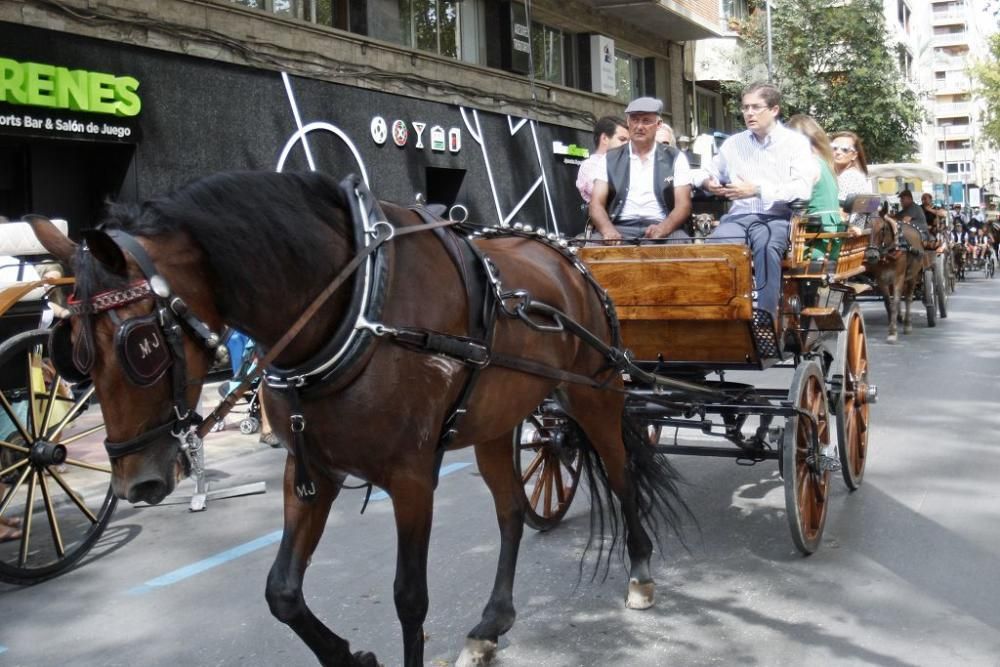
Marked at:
<point>907,573</point>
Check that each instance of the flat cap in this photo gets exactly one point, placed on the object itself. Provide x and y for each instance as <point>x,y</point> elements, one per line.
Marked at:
<point>644,105</point>
<point>684,137</point>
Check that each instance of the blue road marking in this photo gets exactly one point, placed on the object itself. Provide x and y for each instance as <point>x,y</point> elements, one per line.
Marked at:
<point>187,571</point>
<point>191,570</point>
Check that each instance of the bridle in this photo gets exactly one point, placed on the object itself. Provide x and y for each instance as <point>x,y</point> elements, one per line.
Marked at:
<point>877,248</point>
<point>150,345</point>
<point>147,346</point>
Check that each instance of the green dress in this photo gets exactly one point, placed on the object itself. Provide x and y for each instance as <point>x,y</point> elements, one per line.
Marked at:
<point>824,209</point>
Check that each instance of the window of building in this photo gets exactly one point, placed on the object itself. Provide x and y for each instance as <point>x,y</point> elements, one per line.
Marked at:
<point>547,53</point>
<point>431,25</point>
<point>628,74</point>
<point>736,9</point>
<point>708,116</point>
<point>324,12</point>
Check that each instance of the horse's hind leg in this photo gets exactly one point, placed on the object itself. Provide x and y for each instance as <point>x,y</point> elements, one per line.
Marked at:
<point>599,415</point>
<point>495,464</point>
<point>304,523</point>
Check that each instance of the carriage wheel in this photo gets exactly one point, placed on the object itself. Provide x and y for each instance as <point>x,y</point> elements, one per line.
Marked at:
<point>853,398</point>
<point>940,293</point>
<point>54,474</point>
<point>807,489</point>
<point>549,467</point>
<point>929,296</point>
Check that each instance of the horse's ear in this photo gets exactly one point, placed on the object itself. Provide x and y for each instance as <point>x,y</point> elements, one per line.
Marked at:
<point>106,251</point>
<point>52,239</point>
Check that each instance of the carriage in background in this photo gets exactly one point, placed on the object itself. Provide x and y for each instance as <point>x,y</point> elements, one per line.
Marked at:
<point>54,474</point>
<point>687,318</point>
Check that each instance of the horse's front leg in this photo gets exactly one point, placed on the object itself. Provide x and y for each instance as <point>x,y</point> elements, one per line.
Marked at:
<point>304,523</point>
<point>908,296</point>
<point>890,296</point>
<point>494,460</point>
<point>413,504</point>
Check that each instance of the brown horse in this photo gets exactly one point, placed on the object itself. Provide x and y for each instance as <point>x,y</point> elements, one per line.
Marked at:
<point>252,250</point>
<point>896,270</point>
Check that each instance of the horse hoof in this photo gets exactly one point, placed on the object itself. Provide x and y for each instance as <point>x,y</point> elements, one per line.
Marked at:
<point>477,652</point>
<point>365,659</point>
<point>908,329</point>
<point>891,339</point>
<point>640,594</point>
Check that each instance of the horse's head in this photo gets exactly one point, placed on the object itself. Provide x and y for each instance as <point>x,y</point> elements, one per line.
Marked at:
<point>881,242</point>
<point>134,331</point>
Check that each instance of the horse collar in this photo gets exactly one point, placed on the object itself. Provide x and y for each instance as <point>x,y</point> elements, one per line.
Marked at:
<point>340,358</point>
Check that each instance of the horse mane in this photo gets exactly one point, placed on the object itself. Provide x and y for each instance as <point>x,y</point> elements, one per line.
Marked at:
<point>244,222</point>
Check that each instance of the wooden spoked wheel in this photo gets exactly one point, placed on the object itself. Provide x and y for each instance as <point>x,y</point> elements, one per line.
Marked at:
<point>549,467</point>
<point>55,479</point>
<point>807,488</point>
<point>853,397</point>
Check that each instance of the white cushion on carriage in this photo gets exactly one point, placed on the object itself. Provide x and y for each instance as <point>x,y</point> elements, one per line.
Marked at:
<point>16,238</point>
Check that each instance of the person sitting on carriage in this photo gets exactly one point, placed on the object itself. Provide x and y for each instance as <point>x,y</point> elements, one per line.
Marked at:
<point>937,218</point>
<point>644,190</point>
<point>913,215</point>
<point>609,132</point>
<point>762,170</point>
<point>976,242</point>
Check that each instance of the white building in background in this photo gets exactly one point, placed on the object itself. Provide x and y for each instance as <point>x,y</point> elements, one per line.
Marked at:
<point>959,30</point>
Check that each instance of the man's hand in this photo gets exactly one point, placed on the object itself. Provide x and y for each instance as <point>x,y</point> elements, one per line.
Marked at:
<point>712,185</point>
<point>739,189</point>
<point>657,231</point>
<point>612,236</point>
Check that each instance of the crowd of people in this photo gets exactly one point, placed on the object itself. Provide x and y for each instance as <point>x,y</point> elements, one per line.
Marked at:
<point>638,184</point>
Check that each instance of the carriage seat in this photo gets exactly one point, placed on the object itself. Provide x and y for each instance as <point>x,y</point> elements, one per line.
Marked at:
<point>679,302</point>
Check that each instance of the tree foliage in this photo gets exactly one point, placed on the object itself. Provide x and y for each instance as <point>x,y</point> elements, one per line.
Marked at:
<point>987,76</point>
<point>832,61</point>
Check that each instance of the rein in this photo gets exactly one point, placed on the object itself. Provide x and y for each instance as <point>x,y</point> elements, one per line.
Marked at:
<point>384,233</point>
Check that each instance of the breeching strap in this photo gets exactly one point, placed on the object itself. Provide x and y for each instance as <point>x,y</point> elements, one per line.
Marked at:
<point>384,233</point>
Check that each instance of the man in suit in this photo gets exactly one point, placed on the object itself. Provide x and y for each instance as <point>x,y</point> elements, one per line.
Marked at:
<point>645,188</point>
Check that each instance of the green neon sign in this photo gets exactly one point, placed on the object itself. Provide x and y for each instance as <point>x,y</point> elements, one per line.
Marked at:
<point>36,84</point>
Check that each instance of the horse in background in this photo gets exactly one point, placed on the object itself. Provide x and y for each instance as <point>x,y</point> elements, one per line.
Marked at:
<point>896,269</point>
<point>206,244</point>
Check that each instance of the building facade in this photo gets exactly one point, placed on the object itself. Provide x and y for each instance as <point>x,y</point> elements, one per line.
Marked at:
<point>484,103</point>
<point>958,33</point>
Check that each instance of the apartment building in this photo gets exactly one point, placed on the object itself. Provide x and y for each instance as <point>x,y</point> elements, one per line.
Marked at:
<point>484,103</point>
<point>959,29</point>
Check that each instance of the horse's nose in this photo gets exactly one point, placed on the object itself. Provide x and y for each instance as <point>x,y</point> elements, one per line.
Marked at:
<point>151,491</point>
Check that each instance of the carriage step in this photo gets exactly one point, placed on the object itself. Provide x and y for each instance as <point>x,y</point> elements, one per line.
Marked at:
<point>825,319</point>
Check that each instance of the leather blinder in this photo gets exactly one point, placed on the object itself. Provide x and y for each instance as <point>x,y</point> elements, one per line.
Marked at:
<point>142,350</point>
<point>63,354</point>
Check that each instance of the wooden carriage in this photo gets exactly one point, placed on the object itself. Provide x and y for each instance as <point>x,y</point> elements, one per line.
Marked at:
<point>686,312</point>
<point>55,479</point>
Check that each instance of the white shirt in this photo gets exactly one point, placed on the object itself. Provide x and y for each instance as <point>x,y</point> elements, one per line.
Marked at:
<point>641,202</point>
<point>782,165</point>
<point>589,169</point>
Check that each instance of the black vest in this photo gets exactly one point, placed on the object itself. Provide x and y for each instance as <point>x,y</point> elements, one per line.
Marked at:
<point>618,175</point>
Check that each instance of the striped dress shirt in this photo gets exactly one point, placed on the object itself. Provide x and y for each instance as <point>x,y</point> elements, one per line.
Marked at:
<point>782,165</point>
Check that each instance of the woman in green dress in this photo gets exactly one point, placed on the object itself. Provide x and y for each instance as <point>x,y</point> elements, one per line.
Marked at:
<point>824,206</point>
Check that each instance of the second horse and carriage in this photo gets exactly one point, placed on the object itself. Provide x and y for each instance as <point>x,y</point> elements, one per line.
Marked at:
<point>410,336</point>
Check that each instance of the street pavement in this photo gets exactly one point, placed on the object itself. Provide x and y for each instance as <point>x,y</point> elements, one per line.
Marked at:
<point>906,575</point>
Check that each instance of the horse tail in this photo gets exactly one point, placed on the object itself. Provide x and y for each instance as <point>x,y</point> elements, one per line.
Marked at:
<point>655,485</point>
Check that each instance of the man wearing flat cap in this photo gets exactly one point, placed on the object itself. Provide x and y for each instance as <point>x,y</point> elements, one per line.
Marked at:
<point>644,190</point>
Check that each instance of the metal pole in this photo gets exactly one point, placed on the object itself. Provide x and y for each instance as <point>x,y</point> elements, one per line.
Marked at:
<point>770,55</point>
